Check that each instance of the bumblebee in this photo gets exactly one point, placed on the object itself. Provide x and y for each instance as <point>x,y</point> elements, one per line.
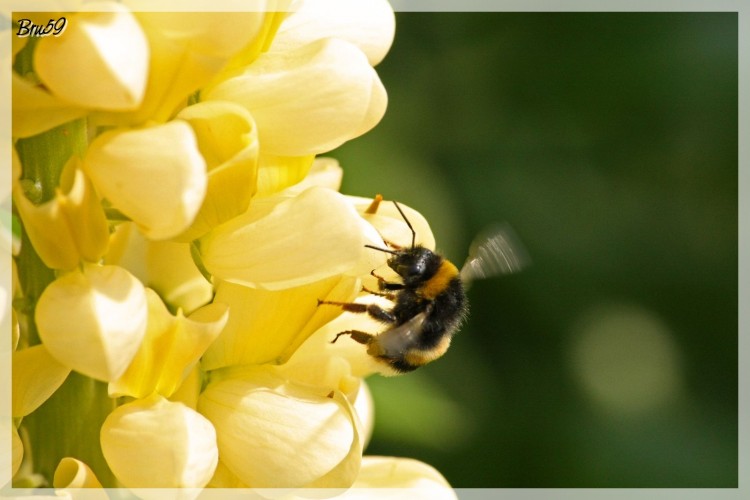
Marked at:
<point>429,304</point>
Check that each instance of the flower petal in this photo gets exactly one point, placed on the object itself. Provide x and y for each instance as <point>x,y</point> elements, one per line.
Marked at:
<point>273,434</point>
<point>93,320</point>
<point>108,48</point>
<point>368,24</point>
<point>281,243</point>
<point>72,473</point>
<point>318,352</point>
<point>421,480</point>
<point>155,443</point>
<point>155,175</point>
<point>391,225</point>
<point>346,100</point>
<point>170,349</point>
<point>188,49</point>
<point>70,227</point>
<point>35,110</point>
<point>267,326</point>
<point>36,376</point>
<point>165,266</point>
<point>228,141</point>
<point>276,173</point>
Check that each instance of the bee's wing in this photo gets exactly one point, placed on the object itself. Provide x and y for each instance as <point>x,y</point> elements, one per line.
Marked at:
<point>396,341</point>
<point>494,252</point>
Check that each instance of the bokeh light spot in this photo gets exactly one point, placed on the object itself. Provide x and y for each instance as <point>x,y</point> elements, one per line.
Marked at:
<point>625,359</point>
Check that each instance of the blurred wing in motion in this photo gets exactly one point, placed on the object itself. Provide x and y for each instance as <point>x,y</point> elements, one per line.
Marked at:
<point>494,252</point>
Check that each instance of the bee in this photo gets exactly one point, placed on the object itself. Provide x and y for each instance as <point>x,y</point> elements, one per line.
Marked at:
<point>429,302</point>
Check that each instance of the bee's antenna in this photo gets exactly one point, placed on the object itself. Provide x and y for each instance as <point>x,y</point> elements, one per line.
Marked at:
<point>381,249</point>
<point>413,233</point>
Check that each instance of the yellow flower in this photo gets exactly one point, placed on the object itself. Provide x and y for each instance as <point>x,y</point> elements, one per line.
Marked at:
<point>156,443</point>
<point>261,248</point>
<point>199,141</point>
<point>108,48</point>
<point>275,434</point>
<point>420,480</point>
<point>170,349</point>
<point>93,320</point>
<point>69,228</point>
<point>36,110</point>
<point>154,175</point>
<point>346,100</point>
<point>368,24</point>
<point>72,473</point>
<point>188,50</point>
<point>267,326</point>
<point>165,266</point>
<point>228,141</point>
<point>36,376</point>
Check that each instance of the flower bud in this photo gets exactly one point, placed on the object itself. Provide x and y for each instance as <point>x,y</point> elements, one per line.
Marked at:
<point>346,100</point>
<point>93,320</point>
<point>154,175</point>
<point>69,228</point>
<point>274,434</point>
<point>105,48</point>
<point>368,24</point>
<point>155,443</point>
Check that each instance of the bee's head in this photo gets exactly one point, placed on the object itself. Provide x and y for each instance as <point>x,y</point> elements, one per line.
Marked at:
<point>415,265</point>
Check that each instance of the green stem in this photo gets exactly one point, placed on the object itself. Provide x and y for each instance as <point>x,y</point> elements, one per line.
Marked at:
<point>68,423</point>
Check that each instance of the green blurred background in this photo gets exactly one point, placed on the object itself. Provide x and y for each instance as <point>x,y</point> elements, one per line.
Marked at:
<point>609,142</point>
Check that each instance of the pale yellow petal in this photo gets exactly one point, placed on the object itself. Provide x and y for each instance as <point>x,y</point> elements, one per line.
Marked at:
<point>171,271</point>
<point>228,141</point>
<point>364,406</point>
<point>154,175</point>
<point>170,349</point>
<point>267,326</point>
<point>273,434</point>
<point>391,225</point>
<point>108,48</point>
<point>224,478</point>
<point>36,376</point>
<point>35,110</point>
<point>318,347</point>
<point>276,173</point>
<point>325,172</point>
<point>368,24</point>
<point>405,479</point>
<point>70,227</point>
<point>285,242</point>
<point>188,49</point>
<point>165,266</point>
<point>337,108</point>
<point>47,228</point>
<point>72,473</point>
<point>93,320</point>
<point>190,389</point>
<point>155,443</point>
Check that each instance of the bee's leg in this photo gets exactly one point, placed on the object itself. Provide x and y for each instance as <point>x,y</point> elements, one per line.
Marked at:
<point>389,296</point>
<point>386,285</point>
<point>356,335</point>
<point>373,310</point>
